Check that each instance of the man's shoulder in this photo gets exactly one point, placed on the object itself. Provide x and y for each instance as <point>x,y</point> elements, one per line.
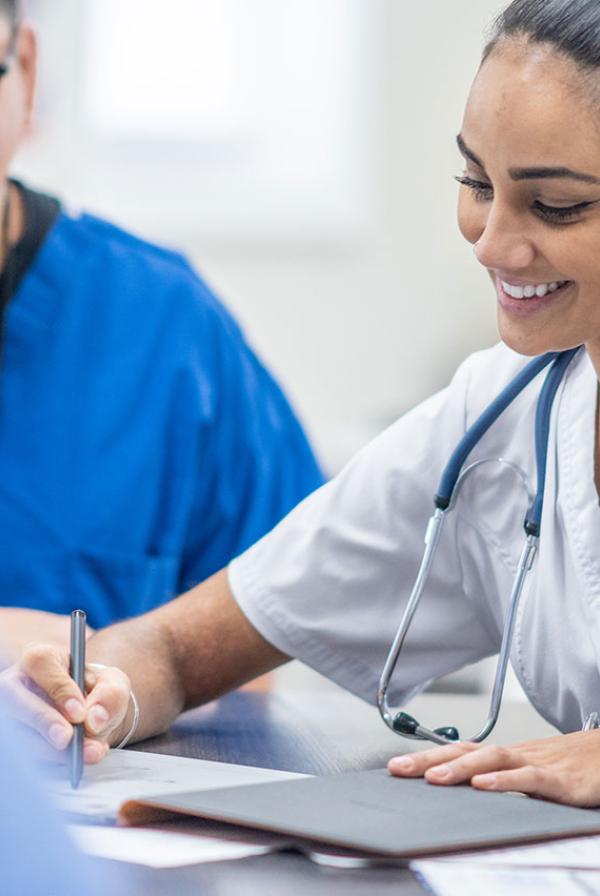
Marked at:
<point>111,237</point>
<point>136,271</point>
<point>121,251</point>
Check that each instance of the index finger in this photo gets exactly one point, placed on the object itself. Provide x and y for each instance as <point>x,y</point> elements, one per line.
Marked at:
<point>48,669</point>
<point>414,765</point>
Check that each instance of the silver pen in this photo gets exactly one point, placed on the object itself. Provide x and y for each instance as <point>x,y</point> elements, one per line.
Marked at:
<point>77,673</point>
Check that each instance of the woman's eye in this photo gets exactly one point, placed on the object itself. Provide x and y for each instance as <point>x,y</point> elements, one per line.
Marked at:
<point>483,192</point>
<point>560,214</point>
<point>552,214</point>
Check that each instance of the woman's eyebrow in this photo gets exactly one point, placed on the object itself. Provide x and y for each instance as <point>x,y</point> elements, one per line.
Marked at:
<point>546,173</point>
<point>534,173</point>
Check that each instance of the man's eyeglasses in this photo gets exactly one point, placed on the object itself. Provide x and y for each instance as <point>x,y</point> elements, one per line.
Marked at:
<point>5,66</point>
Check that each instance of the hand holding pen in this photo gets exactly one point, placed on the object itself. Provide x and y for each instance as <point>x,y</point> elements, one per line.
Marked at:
<point>77,673</point>
<point>79,709</point>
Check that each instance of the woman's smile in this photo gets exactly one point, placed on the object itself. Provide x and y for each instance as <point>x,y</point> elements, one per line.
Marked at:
<point>523,297</point>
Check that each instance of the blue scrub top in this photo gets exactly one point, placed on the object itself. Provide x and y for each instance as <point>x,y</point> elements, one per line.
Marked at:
<point>142,443</point>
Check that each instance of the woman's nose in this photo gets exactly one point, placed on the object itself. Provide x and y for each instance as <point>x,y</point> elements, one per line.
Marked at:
<point>504,244</point>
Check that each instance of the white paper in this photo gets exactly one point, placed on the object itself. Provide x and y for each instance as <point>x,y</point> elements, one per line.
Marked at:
<point>462,878</point>
<point>160,847</point>
<point>131,774</point>
<point>581,853</point>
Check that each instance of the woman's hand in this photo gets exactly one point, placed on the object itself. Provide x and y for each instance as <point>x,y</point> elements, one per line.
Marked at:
<point>565,769</point>
<point>44,698</point>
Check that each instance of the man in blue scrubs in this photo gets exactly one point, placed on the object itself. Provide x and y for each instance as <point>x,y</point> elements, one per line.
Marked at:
<point>142,443</point>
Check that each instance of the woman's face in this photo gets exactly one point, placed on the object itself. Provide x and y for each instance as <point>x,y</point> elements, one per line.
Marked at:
<point>530,198</point>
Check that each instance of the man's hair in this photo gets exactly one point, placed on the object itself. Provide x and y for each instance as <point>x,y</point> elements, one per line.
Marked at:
<point>572,27</point>
<point>10,9</point>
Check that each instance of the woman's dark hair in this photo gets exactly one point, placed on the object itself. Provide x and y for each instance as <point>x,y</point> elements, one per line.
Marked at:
<point>570,26</point>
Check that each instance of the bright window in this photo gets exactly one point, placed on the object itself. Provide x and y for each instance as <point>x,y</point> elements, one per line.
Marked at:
<point>187,119</point>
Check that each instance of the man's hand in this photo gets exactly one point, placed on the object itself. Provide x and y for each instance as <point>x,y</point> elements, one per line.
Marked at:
<point>565,769</point>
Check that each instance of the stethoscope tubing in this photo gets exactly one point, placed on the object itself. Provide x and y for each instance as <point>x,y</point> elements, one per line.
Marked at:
<point>451,479</point>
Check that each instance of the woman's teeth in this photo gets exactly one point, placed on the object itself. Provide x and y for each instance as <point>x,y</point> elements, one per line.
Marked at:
<point>528,292</point>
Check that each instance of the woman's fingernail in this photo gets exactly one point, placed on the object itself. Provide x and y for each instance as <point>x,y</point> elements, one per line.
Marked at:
<point>93,753</point>
<point>440,771</point>
<point>59,736</point>
<point>402,763</point>
<point>74,709</point>
<point>486,780</point>
<point>97,718</point>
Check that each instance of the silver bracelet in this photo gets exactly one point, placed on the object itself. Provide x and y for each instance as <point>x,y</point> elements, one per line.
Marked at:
<point>136,710</point>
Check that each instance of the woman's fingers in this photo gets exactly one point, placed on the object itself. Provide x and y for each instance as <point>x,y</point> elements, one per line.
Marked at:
<point>565,768</point>
<point>108,702</point>
<point>414,765</point>
<point>455,763</point>
<point>38,747</point>
<point>46,700</point>
<point>31,710</point>
<point>94,750</point>
<point>527,779</point>
<point>48,669</point>
<point>476,762</point>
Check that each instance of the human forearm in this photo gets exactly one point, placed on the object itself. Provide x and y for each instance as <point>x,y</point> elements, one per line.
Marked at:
<point>183,654</point>
<point>187,652</point>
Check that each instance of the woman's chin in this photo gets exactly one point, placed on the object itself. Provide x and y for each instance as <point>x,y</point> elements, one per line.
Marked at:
<point>523,343</point>
<point>531,341</point>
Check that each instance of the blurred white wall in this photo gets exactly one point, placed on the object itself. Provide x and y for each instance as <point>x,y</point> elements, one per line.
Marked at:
<point>362,298</point>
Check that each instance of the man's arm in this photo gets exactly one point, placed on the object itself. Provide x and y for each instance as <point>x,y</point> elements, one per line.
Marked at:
<point>187,652</point>
<point>20,626</point>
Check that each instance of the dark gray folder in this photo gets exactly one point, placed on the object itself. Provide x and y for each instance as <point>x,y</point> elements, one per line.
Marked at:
<point>374,813</point>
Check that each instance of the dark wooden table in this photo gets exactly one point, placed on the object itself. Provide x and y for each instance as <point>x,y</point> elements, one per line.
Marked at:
<point>317,731</point>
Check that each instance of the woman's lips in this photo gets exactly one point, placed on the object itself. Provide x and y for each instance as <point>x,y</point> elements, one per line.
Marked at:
<point>529,305</point>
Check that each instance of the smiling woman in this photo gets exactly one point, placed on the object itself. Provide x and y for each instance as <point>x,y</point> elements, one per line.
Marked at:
<point>328,584</point>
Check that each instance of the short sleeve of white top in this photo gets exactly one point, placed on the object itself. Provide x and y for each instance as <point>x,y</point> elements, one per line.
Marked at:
<point>328,585</point>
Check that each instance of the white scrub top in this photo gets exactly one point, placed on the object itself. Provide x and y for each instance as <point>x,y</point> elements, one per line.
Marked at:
<point>328,585</point>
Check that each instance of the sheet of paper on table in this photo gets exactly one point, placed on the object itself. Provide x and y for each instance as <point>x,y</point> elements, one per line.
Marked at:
<point>129,774</point>
<point>562,867</point>
<point>474,879</point>
<point>172,845</point>
<point>578,853</point>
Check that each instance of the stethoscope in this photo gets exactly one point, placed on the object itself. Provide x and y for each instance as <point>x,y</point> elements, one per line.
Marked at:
<point>450,483</point>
